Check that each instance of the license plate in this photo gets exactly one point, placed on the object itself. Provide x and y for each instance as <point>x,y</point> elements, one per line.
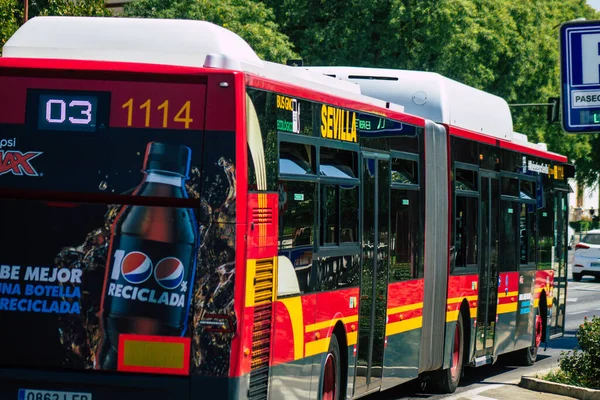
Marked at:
<point>28,394</point>
<point>594,264</point>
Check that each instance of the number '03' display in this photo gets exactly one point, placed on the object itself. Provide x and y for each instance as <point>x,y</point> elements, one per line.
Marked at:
<point>67,112</point>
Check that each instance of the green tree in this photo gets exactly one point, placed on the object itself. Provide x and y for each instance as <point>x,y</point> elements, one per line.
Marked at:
<point>11,17</point>
<point>253,21</point>
<point>506,47</point>
<point>11,12</point>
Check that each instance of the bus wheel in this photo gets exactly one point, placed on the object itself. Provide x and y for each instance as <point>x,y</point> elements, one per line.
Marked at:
<point>331,372</point>
<point>448,379</point>
<point>529,355</point>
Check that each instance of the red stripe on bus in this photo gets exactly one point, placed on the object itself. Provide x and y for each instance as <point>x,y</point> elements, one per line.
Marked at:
<point>504,144</point>
<point>314,95</point>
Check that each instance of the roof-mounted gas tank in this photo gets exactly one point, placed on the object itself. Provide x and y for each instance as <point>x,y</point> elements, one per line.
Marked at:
<point>432,96</point>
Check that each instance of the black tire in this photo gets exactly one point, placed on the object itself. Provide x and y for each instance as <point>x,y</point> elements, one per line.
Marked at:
<point>447,380</point>
<point>333,355</point>
<point>576,277</point>
<point>528,355</point>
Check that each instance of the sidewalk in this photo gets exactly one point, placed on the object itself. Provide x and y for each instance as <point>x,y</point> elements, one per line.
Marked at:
<point>508,391</point>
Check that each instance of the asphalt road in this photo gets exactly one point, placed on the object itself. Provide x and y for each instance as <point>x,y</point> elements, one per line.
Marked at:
<point>582,300</point>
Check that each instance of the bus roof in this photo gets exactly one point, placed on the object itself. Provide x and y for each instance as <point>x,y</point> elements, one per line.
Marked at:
<point>203,44</point>
<point>435,97</point>
<point>163,41</point>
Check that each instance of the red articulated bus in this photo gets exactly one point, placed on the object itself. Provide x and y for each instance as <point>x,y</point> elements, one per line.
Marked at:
<point>183,220</point>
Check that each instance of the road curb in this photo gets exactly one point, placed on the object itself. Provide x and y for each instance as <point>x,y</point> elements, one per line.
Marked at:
<point>540,385</point>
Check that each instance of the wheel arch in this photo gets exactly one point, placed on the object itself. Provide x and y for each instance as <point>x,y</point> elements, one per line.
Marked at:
<point>543,306</point>
<point>465,314</point>
<point>340,332</point>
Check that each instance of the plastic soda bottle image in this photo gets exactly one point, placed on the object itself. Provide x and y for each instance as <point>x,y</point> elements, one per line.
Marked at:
<point>151,259</point>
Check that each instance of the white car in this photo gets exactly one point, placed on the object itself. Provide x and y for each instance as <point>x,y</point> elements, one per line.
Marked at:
<point>586,260</point>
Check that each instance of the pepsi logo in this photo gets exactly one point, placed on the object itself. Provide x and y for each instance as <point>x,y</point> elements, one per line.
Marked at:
<point>136,267</point>
<point>169,273</point>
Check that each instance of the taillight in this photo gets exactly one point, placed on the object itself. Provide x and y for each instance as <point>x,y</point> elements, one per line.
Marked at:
<point>581,246</point>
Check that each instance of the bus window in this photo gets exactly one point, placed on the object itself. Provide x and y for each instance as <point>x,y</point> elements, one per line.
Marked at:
<point>511,161</point>
<point>466,225</point>
<point>349,214</point>
<point>298,214</point>
<point>509,245</point>
<point>330,218</point>
<point>405,171</point>
<point>464,151</point>
<point>466,180</point>
<point>406,250</point>
<point>296,159</point>
<point>527,190</point>
<point>336,163</point>
<point>527,235</point>
<point>489,157</point>
<point>510,187</point>
<point>546,231</point>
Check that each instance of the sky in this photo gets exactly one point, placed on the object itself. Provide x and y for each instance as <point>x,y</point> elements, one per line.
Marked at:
<point>594,3</point>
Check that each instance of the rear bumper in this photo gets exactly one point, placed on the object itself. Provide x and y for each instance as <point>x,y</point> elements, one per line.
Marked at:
<point>119,386</point>
<point>586,265</point>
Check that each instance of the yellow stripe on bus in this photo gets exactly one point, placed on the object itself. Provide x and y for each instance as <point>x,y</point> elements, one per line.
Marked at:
<point>452,316</point>
<point>329,323</point>
<point>294,307</point>
<point>409,307</point>
<point>316,347</point>
<point>506,308</point>
<point>403,326</point>
<point>250,274</point>
<point>352,338</point>
<point>455,300</point>
<point>503,295</point>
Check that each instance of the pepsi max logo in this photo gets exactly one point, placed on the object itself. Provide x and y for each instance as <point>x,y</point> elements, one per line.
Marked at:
<point>169,273</point>
<point>136,267</point>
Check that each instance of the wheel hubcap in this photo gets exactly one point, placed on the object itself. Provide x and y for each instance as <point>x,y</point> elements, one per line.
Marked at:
<point>538,330</point>
<point>329,379</point>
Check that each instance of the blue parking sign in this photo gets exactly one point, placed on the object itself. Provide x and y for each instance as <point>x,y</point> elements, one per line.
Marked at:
<point>580,76</point>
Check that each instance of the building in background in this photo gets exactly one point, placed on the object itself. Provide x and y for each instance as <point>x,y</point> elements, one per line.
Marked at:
<point>116,6</point>
<point>583,202</point>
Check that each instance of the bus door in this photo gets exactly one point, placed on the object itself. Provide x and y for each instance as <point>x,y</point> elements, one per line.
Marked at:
<point>559,265</point>
<point>488,267</point>
<point>374,271</point>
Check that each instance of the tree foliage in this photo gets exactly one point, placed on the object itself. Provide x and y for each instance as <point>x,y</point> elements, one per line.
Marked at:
<point>11,12</point>
<point>253,21</point>
<point>10,17</point>
<point>506,47</point>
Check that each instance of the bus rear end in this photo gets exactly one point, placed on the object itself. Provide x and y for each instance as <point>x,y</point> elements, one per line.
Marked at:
<point>117,248</point>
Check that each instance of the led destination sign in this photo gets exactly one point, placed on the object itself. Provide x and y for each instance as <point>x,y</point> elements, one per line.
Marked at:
<point>67,112</point>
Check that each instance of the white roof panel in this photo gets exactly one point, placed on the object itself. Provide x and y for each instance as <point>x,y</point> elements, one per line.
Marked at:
<point>432,96</point>
<point>154,41</point>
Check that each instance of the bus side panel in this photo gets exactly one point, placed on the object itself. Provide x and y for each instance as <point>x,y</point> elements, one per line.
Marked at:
<point>544,283</point>
<point>291,372</point>
<point>332,307</point>
<point>436,246</point>
<point>508,294</point>
<point>525,312</point>
<point>403,332</point>
<point>461,288</point>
